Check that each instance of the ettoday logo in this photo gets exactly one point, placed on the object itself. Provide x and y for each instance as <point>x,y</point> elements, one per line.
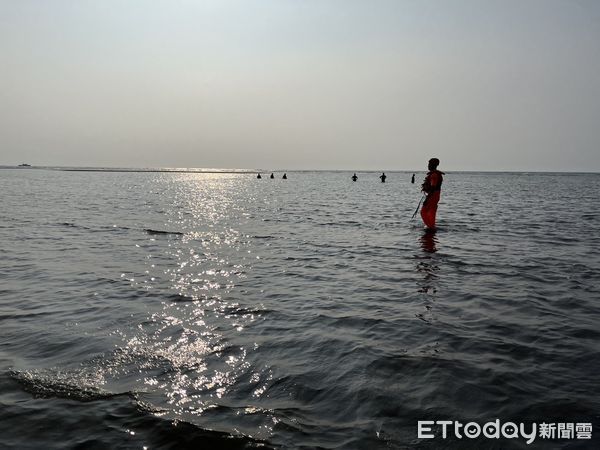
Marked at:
<point>508,430</point>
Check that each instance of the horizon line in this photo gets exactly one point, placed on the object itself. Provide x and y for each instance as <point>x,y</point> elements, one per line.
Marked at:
<point>265,170</point>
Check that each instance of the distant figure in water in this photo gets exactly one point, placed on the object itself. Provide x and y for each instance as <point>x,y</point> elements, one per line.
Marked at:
<point>354,177</point>
<point>258,176</point>
<point>272,176</point>
<point>383,176</point>
<point>412,180</point>
<point>432,186</point>
<point>284,177</point>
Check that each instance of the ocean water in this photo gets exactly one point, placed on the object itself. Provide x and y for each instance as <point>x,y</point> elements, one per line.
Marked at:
<point>178,310</point>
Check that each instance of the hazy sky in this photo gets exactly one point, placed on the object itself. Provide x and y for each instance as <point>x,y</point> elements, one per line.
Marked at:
<point>295,84</point>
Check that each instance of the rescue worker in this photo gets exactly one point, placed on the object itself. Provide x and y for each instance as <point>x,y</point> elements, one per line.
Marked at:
<point>432,186</point>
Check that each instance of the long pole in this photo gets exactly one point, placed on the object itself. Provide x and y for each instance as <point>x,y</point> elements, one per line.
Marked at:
<point>418,206</point>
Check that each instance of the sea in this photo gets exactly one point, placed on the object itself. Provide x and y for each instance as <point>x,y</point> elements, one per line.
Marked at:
<point>215,310</point>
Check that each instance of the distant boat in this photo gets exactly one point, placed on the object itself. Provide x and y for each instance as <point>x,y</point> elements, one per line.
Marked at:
<point>24,165</point>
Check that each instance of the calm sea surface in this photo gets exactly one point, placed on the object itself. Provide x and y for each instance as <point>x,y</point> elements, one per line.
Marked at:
<point>175,310</point>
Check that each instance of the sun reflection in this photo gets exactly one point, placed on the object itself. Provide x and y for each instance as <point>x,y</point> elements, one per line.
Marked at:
<point>184,353</point>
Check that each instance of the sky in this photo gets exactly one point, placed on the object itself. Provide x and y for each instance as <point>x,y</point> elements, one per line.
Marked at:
<point>301,84</point>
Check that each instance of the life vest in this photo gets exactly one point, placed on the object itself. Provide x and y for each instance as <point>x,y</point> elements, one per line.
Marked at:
<point>437,177</point>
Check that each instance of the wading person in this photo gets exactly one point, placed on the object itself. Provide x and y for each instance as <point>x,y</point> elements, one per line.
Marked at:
<point>354,177</point>
<point>383,176</point>
<point>432,186</point>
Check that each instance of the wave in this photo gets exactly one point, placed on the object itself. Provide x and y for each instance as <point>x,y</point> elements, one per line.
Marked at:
<point>104,416</point>
<point>174,233</point>
<point>47,384</point>
<point>112,228</point>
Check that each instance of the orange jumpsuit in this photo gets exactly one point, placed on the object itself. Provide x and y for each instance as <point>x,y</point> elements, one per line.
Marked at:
<point>432,186</point>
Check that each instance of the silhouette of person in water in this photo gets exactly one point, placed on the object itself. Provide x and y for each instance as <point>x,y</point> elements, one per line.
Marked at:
<point>354,177</point>
<point>272,176</point>
<point>412,180</point>
<point>258,176</point>
<point>432,186</point>
<point>383,176</point>
<point>284,177</point>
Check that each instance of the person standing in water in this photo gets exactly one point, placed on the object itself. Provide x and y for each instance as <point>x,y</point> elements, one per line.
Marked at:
<point>284,177</point>
<point>383,176</point>
<point>432,186</point>
<point>354,177</point>
<point>258,176</point>
<point>272,176</point>
<point>412,180</point>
